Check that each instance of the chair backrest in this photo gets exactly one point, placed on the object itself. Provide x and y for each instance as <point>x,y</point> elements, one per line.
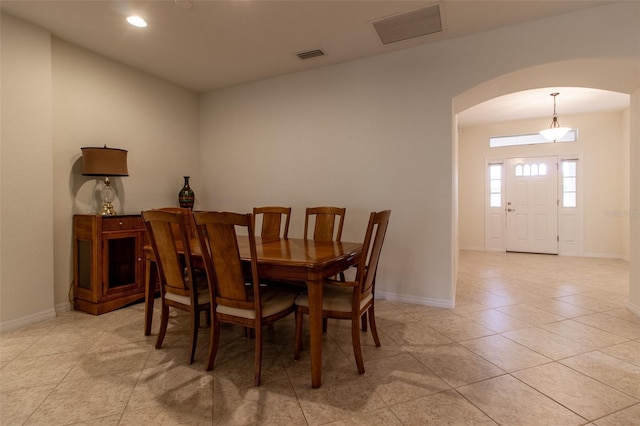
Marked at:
<point>325,223</point>
<point>220,250</point>
<point>371,248</point>
<point>169,240</point>
<point>187,216</point>
<point>272,218</point>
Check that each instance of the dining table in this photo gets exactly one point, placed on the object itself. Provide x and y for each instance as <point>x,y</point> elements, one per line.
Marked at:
<point>282,259</point>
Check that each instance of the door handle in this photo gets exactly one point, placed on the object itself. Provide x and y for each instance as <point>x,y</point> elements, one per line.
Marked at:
<point>511,210</point>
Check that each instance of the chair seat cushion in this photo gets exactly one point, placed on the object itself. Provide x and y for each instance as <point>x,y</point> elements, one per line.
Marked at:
<point>335,298</point>
<point>273,301</point>
<point>203,293</point>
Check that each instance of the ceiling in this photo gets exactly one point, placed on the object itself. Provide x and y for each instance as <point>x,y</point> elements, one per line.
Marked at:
<point>207,45</point>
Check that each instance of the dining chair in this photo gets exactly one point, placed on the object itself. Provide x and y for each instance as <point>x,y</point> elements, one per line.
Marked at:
<point>234,302</point>
<point>272,218</point>
<point>180,286</point>
<point>324,228</point>
<point>187,216</point>
<point>352,300</point>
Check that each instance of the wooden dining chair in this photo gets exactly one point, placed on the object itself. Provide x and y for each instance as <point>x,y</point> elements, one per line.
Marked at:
<point>272,221</point>
<point>352,300</point>
<point>234,302</point>
<point>187,216</point>
<point>326,218</point>
<point>180,286</point>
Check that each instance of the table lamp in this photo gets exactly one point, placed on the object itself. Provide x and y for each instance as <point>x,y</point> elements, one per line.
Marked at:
<point>105,162</point>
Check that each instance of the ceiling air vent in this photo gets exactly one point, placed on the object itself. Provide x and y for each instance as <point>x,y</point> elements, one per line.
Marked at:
<point>310,54</point>
<point>409,25</point>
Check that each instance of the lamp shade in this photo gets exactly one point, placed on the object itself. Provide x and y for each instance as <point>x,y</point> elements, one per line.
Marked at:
<point>104,161</point>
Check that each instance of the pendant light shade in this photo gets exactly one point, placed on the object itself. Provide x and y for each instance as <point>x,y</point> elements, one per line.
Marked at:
<point>555,132</point>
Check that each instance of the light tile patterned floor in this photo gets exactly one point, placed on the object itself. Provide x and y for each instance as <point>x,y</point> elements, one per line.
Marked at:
<point>533,340</point>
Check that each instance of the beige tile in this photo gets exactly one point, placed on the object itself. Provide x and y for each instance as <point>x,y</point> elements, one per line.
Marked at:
<point>18,404</point>
<point>495,320</point>
<point>382,417</point>
<point>588,302</point>
<point>579,393</point>
<point>511,402</point>
<point>612,324</point>
<point>444,408</point>
<point>456,365</point>
<point>588,336</point>
<point>458,328</point>
<point>628,352</point>
<point>557,307</point>
<point>38,371</point>
<point>490,299</point>
<point>184,385</point>
<point>628,416</point>
<point>273,403</point>
<point>530,314</point>
<point>546,343</point>
<point>117,361</point>
<point>504,353</point>
<point>401,378</point>
<point>83,400</point>
<point>609,370</point>
<point>415,334</point>
<point>339,401</point>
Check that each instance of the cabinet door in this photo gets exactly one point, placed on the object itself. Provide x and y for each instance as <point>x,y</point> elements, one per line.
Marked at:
<point>121,262</point>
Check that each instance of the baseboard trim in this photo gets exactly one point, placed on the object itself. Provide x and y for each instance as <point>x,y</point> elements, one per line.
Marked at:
<point>26,320</point>
<point>426,301</point>
<point>634,308</point>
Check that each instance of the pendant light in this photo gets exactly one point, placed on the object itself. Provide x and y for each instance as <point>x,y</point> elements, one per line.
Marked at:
<point>555,132</point>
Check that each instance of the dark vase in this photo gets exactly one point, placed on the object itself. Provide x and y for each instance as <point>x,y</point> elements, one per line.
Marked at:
<point>186,197</point>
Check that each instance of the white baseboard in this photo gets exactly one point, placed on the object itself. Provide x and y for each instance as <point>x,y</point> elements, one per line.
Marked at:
<point>634,308</point>
<point>63,307</point>
<point>436,303</point>
<point>26,320</point>
<point>603,255</point>
<point>472,248</point>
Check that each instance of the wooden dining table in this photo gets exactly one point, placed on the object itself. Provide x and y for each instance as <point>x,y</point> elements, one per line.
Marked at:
<point>285,259</point>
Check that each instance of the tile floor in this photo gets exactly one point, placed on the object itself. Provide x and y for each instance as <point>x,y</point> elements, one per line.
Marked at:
<point>533,340</point>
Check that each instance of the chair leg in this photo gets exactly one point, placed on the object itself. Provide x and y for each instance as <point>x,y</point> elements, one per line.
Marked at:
<point>164,320</point>
<point>363,320</point>
<point>324,324</point>
<point>357,349</point>
<point>214,342</point>
<point>372,323</point>
<point>298,340</point>
<point>195,324</point>
<point>258,356</point>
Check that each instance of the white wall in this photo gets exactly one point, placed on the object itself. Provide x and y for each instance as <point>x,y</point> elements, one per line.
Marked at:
<point>603,145</point>
<point>57,98</point>
<point>97,101</point>
<point>370,134</point>
<point>376,133</point>
<point>26,173</point>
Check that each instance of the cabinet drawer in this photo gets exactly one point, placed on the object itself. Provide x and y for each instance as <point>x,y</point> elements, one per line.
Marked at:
<point>122,223</point>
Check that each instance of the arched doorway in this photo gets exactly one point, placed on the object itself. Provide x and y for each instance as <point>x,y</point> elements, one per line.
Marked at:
<point>606,74</point>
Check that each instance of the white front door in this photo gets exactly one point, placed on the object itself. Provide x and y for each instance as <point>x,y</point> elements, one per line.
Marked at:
<point>532,204</point>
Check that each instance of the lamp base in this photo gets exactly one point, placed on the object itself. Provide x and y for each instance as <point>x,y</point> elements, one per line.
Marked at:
<point>108,210</point>
<point>107,197</point>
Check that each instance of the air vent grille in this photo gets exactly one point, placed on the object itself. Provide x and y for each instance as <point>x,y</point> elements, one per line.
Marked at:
<point>310,54</point>
<point>409,25</point>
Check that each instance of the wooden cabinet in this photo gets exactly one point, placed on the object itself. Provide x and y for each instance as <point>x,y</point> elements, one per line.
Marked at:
<point>108,262</point>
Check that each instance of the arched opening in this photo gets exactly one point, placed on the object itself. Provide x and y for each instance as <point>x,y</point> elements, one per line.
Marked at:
<point>607,74</point>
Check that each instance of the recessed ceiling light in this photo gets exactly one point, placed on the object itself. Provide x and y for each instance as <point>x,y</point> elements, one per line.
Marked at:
<point>137,21</point>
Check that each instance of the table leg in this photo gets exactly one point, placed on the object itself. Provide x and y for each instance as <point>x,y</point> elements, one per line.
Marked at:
<point>315,331</point>
<point>151,277</point>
